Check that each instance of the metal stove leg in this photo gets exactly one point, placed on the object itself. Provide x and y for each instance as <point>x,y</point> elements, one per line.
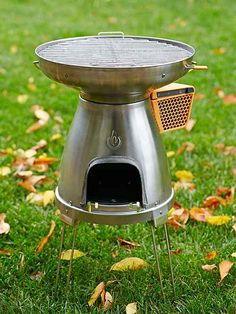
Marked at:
<point>59,257</point>
<point>75,228</point>
<point>169,258</point>
<point>157,260</point>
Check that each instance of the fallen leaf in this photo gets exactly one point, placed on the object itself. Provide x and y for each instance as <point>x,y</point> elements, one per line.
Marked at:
<point>45,240</point>
<point>41,198</point>
<point>127,244</point>
<point>184,185</point>
<point>24,174</point>
<point>5,252</point>
<point>218,220</point>
<point>178,215</point>
<point>211,255</point>
<point>226,193</point>
<point>219,51</point>
<point>224,268</point>
<point>185,146</point>
<point>41,115</point>
<point>22,261</point>
<point>36,126</point>
<point>4,226</point>
<point>227,150</point>
<point>55,137</point>
<point>170,154</point>
<point>106,299</point>
<point>96,293</point>
<point>4,171</point>
<point>115,253</point>
<point>40,167</point>
<point>40,144</point>
<point>233,254</point>
<point>209,267</point>
<point>13,49</point>
<point>200,214</point>
<point>21,99</point>
<point>58,119</point>
<point>234,172</point>
<point>234,227</point>
<point>219,92</point>
<point>229,99</point>
<point>131,308</point>
<point>184,175</point>
<point>199,96</point>
<point>36,275</point>
<point>31,181</point>
<point>176,252</point>
<point>190,124</point>
<point>45,160</point>
<point>66,255</point>
<point>214,201</point>
<point>132,263</point>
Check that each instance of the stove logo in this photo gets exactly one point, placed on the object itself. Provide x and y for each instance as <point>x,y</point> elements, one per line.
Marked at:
<point>114,140</point>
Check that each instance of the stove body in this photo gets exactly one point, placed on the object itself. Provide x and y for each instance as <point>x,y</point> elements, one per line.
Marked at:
<point>114,168</point>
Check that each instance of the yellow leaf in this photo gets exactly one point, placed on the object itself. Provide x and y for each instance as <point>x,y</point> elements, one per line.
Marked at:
<point>132,263</point>
<point>66,255</point>
<point>218,220</point>
<point>96,293</point>
<point>224,268</point>
<point>184,175</point>
<point>4,226</point>
<point>13,49</point>
<point>4,171</point>
<point>233,254</point>
<point>211,255</point>
<point>170,154</point>
<point>208,267</point>
<point>44,241</point>
<point>48,197</point>
<point>131,308</point>
<point>21,99</point>
<point>55,137</point>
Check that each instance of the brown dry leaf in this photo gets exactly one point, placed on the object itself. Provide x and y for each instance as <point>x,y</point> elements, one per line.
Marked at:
<point>184,185</point>
<point>190,124</point>
<point>22,261</point>
<point>132,263</point>
<point>211,255</point>
<point>208,267</point>
<point>224,268</point>
<point>199,96</point>
<point>214,201</point>
<point>41,144</point>
<point>4,226</point>
<point>229,99</point>
<point>4,171</point>
<point>106,299</point>
<point>200,214</point>
<point>226,193</point>
<point>127,244</point>
<point>115,253</point>
<point>27,186</point>
<point>24,174</point>
<point>45,160</point>
<point>233,254</point>
<point>36,275</point>
<point>45,240</point>
<point>230,150</point>
<point>66,255</point>
<point>185,146</point>
<point>30,182</point>
<point>176,252</point>
<point>40,167</point>
<point>36,126</point>
<point>21,99</point>
<point>184,176</point>
<point>41,114</point>
<point>218,220</point>
<point>131,308</point>
<point>219,51</point>
<point>5,252</point>
<point>219,92</point>
<point>178,216</point>
<point>96,293</point>
<point>41,198</point>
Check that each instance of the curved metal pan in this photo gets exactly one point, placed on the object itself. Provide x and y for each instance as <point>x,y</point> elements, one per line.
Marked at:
<point>111,84</point>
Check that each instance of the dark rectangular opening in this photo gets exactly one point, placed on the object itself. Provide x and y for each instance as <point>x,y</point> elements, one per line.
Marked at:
<point>114,183</point>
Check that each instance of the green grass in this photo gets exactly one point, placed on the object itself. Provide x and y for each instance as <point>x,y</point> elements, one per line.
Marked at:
<point>209,25</point>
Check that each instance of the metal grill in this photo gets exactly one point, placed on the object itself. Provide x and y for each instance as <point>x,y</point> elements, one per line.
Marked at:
<point>114,52</point>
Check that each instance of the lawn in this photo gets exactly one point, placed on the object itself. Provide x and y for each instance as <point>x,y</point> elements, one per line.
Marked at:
<point>206,25</point>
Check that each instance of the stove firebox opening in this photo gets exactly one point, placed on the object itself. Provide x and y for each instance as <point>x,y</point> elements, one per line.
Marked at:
<point>114,184</point>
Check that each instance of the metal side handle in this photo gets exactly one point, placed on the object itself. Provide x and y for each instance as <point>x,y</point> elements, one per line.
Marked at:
<point>36,64</point>
<point>118,34</point>
<point>193,66</point>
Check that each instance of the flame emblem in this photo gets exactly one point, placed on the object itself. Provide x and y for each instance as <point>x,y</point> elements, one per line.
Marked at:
<point>114,140</point>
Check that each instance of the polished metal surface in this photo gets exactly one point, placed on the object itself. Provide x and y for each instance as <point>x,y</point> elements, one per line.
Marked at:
<point>114,74</point>
<point>114,134</point>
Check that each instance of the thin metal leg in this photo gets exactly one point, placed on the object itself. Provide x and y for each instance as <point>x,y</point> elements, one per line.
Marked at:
<point>169,258</point>
<point>75,228</point>
<point>157,260</point>
<point>59,257</point>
